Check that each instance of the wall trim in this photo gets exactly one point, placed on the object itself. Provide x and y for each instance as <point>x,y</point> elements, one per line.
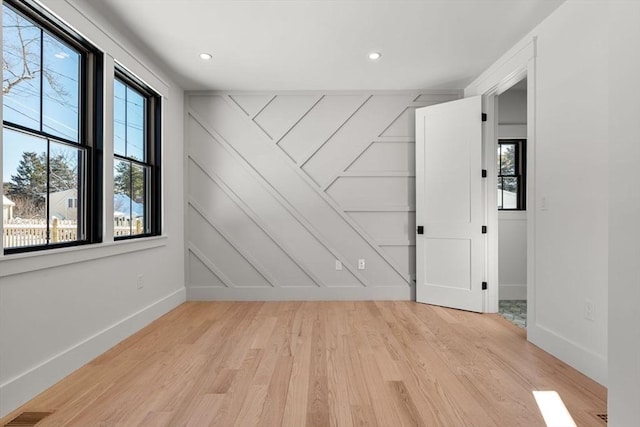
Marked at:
<point>591,364</point>
<point>511,292</point>
<point>303,293</point>
<point>18,390</point>
<point>40,260</point>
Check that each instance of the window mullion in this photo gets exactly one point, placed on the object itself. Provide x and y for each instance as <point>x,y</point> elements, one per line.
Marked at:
<point>41,79</point>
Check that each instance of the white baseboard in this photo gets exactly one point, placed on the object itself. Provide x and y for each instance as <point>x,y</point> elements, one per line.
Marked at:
<point>27,385</point>
<point>512,292</point>
<point>300,293</point>
<point>592,365</point>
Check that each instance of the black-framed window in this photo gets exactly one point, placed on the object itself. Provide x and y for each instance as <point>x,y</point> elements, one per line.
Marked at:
<point>512,173</point>
<point>51,85</point>
<point>136,163</point>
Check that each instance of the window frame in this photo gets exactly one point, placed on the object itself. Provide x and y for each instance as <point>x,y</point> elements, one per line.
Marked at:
<point>90,127</point>
<point>520,172</point>
<point>152,150</point>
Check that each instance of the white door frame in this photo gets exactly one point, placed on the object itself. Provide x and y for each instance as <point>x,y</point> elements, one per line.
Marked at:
<point>493,82</point>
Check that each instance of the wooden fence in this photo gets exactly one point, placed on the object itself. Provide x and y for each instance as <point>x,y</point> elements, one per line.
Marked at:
<point>33,233</point>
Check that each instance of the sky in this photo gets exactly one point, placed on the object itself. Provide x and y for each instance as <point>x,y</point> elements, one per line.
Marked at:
<point>58,84</point>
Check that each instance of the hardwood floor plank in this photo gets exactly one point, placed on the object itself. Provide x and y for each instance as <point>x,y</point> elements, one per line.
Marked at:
<point>383,363</point>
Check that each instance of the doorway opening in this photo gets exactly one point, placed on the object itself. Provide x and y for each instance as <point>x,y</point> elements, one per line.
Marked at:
<point>511,173</point>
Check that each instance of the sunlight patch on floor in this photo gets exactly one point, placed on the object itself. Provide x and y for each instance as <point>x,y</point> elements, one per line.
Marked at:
<point>552,408</point>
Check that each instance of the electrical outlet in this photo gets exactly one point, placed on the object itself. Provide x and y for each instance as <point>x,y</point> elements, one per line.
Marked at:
<point>589,310</point>
<point>338,265</point>
<point>140,281</point>
<point>361,264</point>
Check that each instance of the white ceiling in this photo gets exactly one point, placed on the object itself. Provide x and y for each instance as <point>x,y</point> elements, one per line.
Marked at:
<point>304,44</point>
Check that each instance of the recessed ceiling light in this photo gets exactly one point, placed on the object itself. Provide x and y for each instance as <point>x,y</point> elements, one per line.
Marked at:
<point>374,56</point>
<point>206,56</point>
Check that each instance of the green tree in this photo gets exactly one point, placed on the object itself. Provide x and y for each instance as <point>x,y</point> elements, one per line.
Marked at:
<point>129,180</point>
<point>63,172</point>
<point>507,161</point>
<point>30,179</point>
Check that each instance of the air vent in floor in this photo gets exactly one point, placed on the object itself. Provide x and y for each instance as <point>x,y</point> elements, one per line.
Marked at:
<point>602,416</point>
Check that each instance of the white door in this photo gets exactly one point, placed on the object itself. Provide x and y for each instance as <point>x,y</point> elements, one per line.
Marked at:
<point>450,254</point>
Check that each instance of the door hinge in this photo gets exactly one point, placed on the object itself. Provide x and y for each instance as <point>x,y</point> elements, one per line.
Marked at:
<point>420,229</point>
<point>484,286</point>
<point>484,229</point>
<point>484,117</point>
<point>484,173</point>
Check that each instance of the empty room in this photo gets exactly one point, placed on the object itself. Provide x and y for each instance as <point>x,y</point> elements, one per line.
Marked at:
<point>320,213</point>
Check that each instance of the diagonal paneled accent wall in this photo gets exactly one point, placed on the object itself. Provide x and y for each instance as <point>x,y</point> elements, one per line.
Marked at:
<point>281,185</point>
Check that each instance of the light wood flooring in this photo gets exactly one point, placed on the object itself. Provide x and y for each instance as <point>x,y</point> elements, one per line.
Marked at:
<point>320,364</point>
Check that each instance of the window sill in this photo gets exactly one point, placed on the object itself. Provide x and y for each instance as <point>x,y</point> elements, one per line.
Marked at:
<point>34,261</point>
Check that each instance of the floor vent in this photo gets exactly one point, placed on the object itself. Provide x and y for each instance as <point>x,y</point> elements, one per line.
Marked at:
<point>602,416</point>
<point>28,419</point>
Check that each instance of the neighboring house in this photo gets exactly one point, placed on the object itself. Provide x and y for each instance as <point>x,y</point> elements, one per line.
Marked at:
<point>7,209</point>
<point>64,204</point>
<point>122,205</point>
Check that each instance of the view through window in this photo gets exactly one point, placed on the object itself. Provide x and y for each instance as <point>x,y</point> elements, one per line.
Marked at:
<point>45,149</point>
<point>511,174</point>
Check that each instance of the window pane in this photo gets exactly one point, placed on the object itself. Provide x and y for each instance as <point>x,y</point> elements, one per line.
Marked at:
<point>21,70</point>
<point>24,206</point>
<point>64,185</point>
<point>508,159</point>
<point>139,199</point>
<point>509,187</point>
<point>135,125</point>
<point>119,118</point>
<point>129,198</point>
<point>60,86</point>
<point>122,198</point>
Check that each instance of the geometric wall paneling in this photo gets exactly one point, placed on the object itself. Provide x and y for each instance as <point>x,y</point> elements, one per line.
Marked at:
<point>319,125</point>
<point>404,125</point>
<point>404,256</point>
<point>285,182</point>
<point>388,228</point>
<point>265,209</point>
<point>258,167</point>
<point>436,97</point>
<point>200,275</point>
<point>370,193</point>
<point>355,136</point>
<point>386,156</point>
<point>220,209</point>
<point>283,112</point>
<point>222,253</point>
<point>251,104</point>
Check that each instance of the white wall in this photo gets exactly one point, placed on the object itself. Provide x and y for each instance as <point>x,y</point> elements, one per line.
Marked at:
<point>570,128</point>
<point>513,254</point>
<point>512,123</point>
<point>60,309</point>
<point>281,185</point>
<point>512,108</point>
<point>624,208</point>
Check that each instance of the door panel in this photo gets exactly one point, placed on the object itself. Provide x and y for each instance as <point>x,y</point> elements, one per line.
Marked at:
<point>448,261</point>
<point>450,255</point>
